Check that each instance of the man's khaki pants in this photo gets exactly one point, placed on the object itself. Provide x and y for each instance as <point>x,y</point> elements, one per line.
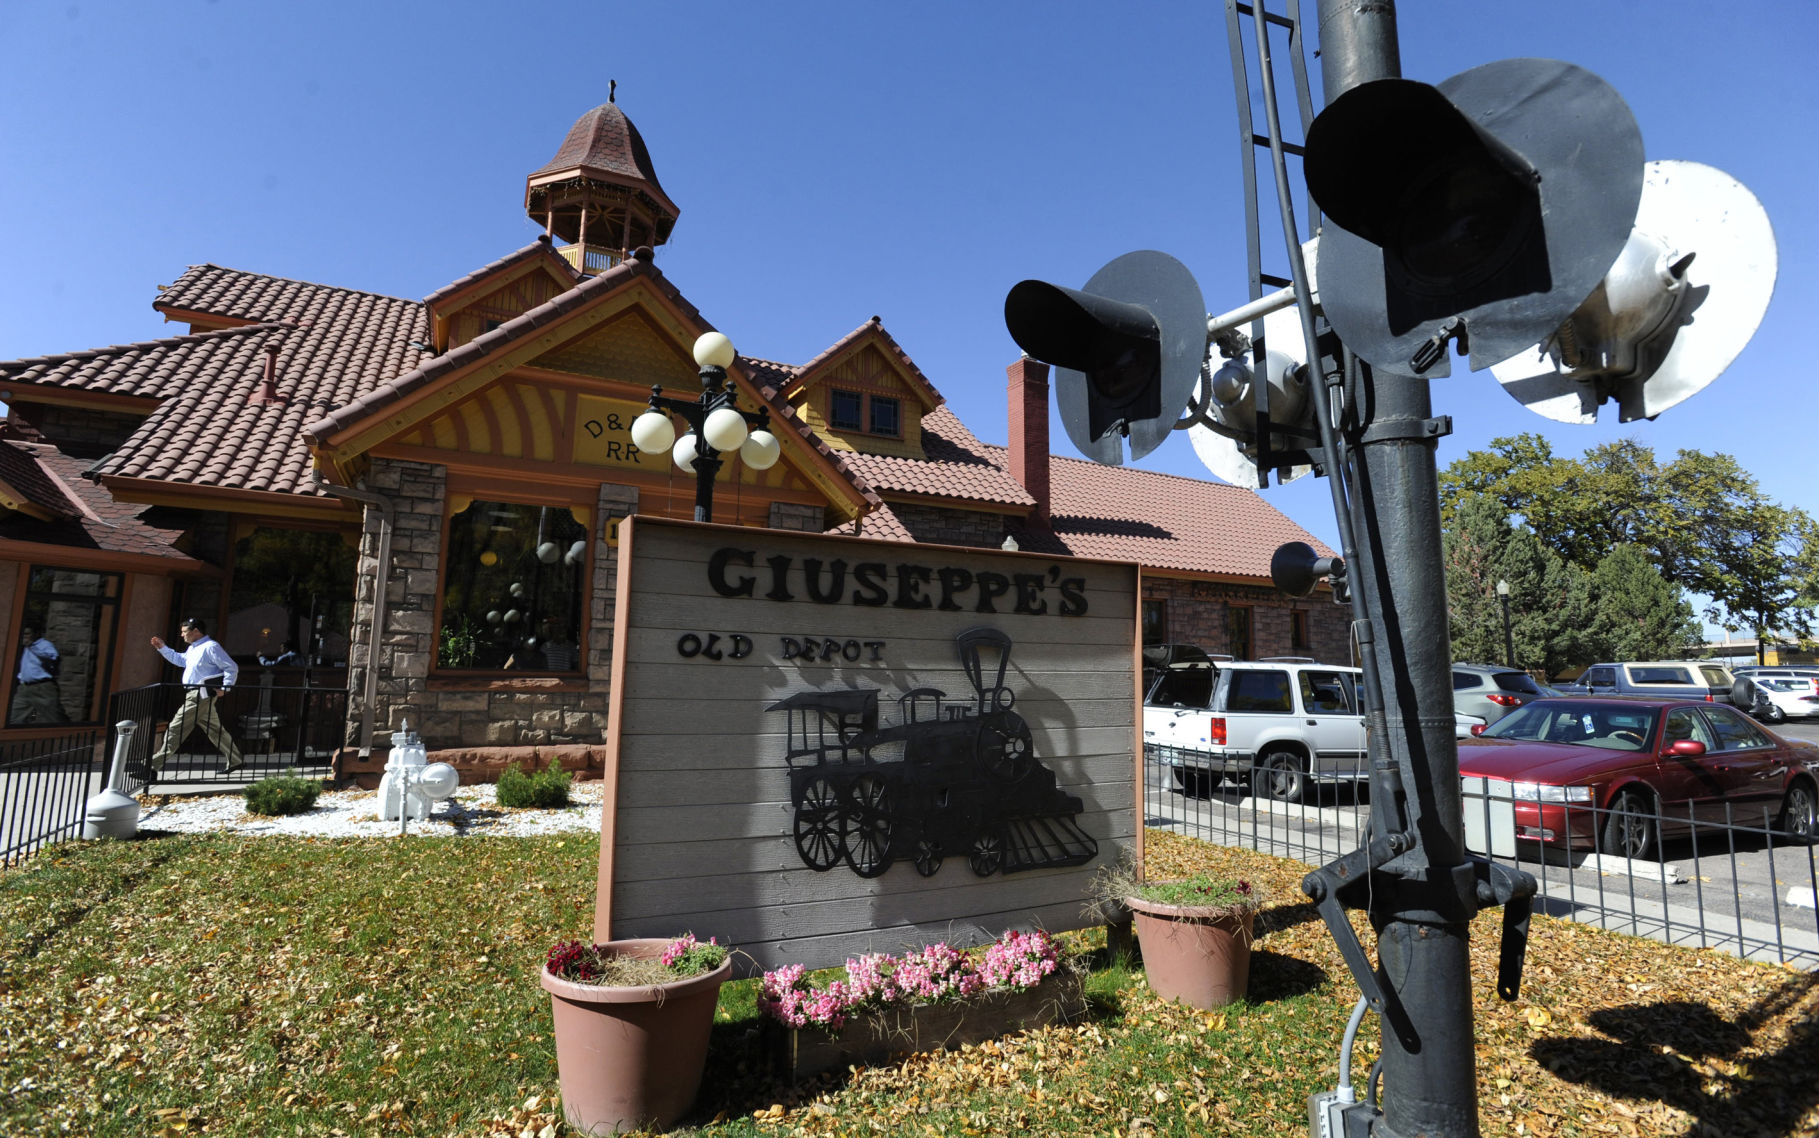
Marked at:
<point>198,710</point>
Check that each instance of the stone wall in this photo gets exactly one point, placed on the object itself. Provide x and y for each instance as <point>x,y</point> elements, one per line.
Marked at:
<point>793,515</point>
<point>81,432</point>
<point>1197,614</point>
<point>939,525</point>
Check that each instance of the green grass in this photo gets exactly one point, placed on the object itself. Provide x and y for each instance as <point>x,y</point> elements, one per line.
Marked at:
<point>266,986</point>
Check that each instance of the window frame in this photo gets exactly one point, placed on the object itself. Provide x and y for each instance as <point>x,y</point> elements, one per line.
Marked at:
<point>872,404</point>
<point>505,495</point>
<point>833,420</point>
<point>1234,616</point>
<point>106,647</point>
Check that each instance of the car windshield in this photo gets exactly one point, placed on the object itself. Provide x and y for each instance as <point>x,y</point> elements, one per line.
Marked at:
<point>1778,683</point>
<point>1610,726</point>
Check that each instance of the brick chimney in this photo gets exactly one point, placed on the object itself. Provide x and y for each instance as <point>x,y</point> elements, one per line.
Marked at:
<point>1029,432</point>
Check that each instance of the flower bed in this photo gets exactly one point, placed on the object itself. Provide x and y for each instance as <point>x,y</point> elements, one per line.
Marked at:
<point>934,997</point>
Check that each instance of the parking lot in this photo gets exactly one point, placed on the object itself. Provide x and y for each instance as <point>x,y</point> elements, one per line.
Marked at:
<point>1729,887</point>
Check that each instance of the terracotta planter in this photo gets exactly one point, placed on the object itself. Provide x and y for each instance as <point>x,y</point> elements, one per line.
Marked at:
<point>1200,956</point>
<point>631,1057</point>
<point>874,1038</point>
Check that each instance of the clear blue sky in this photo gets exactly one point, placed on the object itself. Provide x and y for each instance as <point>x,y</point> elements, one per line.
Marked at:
<point>831,161</point>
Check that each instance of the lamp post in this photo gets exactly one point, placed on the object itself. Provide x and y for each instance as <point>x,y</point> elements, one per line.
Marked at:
<point>715,425</point>
<point>1509,642</point>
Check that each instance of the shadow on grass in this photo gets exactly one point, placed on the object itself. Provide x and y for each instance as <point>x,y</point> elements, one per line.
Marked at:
<point>1660,1052</point>
<point>1278,977</point>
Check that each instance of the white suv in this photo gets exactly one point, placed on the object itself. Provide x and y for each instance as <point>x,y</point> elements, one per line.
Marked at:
<point>1279,722</point>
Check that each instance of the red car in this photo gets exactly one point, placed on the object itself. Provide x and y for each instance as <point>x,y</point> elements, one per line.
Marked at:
<point>1596,772</point>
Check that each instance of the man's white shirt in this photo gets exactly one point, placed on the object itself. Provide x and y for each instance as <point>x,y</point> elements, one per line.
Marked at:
<point>204,660</point>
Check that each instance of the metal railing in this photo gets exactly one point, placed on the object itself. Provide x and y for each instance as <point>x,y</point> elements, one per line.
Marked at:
<point>276,727</point>
<point>45,785</point>
<point>1722,876</point>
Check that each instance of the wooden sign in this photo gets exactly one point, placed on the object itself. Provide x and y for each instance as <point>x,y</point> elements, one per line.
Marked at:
<point>822,746</point>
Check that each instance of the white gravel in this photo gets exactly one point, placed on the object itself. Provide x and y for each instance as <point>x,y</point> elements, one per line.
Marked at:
<point>472,812</point>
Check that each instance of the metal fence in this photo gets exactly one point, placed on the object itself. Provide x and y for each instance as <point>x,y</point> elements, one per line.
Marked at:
<point>44,786</point>
<point>276,728</point>
<point>1720,876</point>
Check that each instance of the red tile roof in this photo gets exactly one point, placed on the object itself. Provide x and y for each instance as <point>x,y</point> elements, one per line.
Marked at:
<point>334,345</point>
<point>96,520</point>
<point>1163,521</point>
<point>958,466</point>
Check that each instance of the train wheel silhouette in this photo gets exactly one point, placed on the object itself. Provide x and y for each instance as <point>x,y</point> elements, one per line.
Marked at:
<point>820,825</point>
<point>868,832</point>
<point>1003,745</point>
<point>928,857</point>
<point>987,854</point>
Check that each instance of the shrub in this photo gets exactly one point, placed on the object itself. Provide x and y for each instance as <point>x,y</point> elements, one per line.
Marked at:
<point>285,794</point>
<point>544,789</point>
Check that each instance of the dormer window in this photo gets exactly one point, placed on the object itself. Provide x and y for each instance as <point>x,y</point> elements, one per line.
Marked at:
<point>887,416</point>
<point>843,411</point>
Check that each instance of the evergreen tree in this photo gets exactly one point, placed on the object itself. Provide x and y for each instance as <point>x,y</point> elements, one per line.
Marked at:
<point>1637,615</point>
<point>1549,604</point>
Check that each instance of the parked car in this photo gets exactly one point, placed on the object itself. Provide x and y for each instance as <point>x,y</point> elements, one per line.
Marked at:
<point>1490,691</point>
<point>1614,773</point>
<point>1775,696</point>
<point>1666,679</point>
<point>1280,723</point>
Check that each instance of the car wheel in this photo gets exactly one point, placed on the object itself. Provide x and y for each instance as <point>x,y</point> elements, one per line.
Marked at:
<point>1631,829</point>
<point>1773,714</point>
<point>1283,777</point>
<point>1799,818</point>
<point>1196,784</point>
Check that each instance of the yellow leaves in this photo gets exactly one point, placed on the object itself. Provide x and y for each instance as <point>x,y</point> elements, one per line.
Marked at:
<point>1539,1017</point>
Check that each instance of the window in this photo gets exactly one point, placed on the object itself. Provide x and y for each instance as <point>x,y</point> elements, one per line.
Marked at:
<point>1661,676</point>
<point>886,416</point>
<point>1324,693</point>
<point>1464,680</point>
<point>292,590</point>
<point>1297,631</point>
<point>843,411</point>
<point>1258,691</point>
<point>1684,723</point>
<point>1155,622</point>
<point>1238,631</point>
<point>73,617</point>
<point>1184,687</point>
<point>1735,733</point>
<point>512,589</point>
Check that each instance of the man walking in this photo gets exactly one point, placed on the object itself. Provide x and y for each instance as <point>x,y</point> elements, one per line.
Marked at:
<point>208,671</point>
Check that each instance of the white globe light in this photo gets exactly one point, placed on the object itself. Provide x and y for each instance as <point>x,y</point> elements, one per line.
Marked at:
<point>438,781</point>
<point>511,616</point>
<point>684,453</point>
<point>494,617</point>
<point>575,553</point>
<point>652,432</point>
<point>517,589</point>
<point>713,349</point>
<point>760,450</point>
<point>725,429</point>
<point>548,552</point>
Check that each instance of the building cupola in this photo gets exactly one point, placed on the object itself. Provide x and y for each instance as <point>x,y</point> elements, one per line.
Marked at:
<point>600,194</point>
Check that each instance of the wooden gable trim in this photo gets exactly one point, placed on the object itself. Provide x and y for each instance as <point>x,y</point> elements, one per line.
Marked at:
<point>874,336</point>
<point>224,499</point>
<point>12,499</point>
<point>445,309</point>
<point>202,321</point>
<point>380,430</point>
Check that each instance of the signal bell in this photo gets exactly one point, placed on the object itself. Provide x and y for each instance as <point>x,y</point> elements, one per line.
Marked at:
<point>1486,208</point>
<point>1127,350</point>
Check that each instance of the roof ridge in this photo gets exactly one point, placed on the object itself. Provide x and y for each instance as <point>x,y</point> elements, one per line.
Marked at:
<point>142,345</point>
<point>291,280</point>
<point>542,243</point>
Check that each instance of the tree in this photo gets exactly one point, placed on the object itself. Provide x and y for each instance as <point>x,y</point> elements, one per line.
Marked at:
<point>1548,600</point>
<point>1636,614</point>
<point>1702,519</point>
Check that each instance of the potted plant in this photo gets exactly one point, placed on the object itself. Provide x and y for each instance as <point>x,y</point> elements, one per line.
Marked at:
<point>1195,934</point>
<point>632,1019</point>
<point>925,999</point>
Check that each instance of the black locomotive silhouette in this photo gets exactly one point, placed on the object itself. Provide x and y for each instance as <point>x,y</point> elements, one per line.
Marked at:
<point>967,780</point>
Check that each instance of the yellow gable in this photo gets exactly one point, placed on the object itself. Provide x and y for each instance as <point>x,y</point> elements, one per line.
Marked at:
<point>854,403</point>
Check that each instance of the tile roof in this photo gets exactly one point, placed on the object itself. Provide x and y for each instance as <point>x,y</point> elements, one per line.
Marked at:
<point>604,141</point>
<point>1162,521</point>
<point>334,345</point>
<point>958,466</point>
<point>96,521</point>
